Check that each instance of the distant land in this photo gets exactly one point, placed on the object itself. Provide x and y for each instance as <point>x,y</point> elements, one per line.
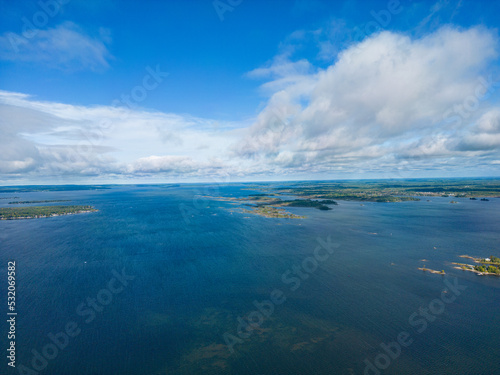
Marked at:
<point>321,194</point>
<point>274,197</point>
<point>382,190</point>
<point>268,206</point>
<point>35,212</point>
<point>392,190</point>
<point>35,188</point>
<point>45,201</point>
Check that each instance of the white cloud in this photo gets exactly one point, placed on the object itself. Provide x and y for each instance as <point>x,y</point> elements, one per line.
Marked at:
<point>65,47</point>
<point>484,135</point>
<point>381,108</point>
<point>45,139</point>
<point>174,165</point>
<point>383,100</point>
<point>282,67</point>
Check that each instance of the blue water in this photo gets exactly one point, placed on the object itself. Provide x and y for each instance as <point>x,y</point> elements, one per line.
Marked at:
<point>199,264</point>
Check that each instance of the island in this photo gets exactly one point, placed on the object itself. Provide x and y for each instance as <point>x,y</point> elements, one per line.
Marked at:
<point>485,266</point>
<point>270,206</point>
<point>35,212</point>
<point>432,271</point>
<point>269,211</point>
<point>46,201</point>
<point>320,205</point>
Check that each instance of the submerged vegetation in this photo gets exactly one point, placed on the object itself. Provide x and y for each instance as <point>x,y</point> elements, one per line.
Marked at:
<point>35,212</point>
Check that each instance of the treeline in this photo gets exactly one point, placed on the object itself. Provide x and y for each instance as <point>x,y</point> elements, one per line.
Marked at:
<point>10,213</point>
<point>47,201</point>
<point>320,205</point>
<point>489,267</point>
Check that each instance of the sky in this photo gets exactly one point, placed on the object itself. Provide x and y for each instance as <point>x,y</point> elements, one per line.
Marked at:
<point>149,91</point>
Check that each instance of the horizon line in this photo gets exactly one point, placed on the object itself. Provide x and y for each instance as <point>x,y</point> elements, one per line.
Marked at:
<point>259,181</point>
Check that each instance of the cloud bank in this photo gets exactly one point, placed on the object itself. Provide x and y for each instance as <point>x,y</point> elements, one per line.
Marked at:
<point>391,106</point>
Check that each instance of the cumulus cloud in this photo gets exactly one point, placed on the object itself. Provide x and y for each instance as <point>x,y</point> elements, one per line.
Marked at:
<point>390,106</point>
<point>384,99</point>
<point>46,139</point>
<point>64,47</point>
<point>175,165</point>
<point>484,135</point>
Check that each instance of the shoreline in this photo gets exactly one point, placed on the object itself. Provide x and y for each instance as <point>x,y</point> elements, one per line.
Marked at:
<point>478,270</point>
<point>39,212</point>
<point>432,271</point>
<point>45,216</point>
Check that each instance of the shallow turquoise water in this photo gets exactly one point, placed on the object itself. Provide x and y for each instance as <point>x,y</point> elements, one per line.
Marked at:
<point>199,264</point>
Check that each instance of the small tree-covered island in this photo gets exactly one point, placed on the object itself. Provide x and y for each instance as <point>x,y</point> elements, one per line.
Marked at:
<point>270,206</point>
<point>35,212</point>
<point>485,266</point>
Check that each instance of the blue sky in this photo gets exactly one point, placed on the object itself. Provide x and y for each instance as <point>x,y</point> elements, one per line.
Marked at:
<point>160,91</point>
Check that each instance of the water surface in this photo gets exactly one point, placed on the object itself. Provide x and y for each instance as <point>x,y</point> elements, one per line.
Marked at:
<point>199,264</point>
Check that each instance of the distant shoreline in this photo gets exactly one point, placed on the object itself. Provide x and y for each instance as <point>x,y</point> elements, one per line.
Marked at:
<point>38,212</point>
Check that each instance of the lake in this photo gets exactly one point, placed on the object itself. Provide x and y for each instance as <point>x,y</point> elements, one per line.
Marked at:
<point>164,280</point>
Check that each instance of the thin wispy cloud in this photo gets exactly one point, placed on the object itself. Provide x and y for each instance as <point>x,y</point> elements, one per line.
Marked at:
<point>440,12</point>
<point>65,47</point>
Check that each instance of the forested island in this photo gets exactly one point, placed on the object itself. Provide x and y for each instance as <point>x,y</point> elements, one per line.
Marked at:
<point>269,211</point>
<point>35,212</point>
<point>277,202</point>
<point>485,266</point>
<point>46,201</point>
<point>270,206</point>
